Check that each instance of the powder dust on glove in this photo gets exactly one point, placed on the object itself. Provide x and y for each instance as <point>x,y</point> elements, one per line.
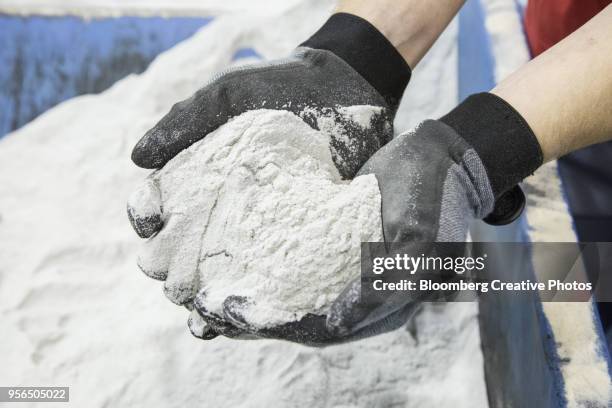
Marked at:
<point>258,209</point>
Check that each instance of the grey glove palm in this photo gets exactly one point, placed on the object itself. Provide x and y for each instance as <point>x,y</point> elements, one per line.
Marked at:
<point>434,182</point>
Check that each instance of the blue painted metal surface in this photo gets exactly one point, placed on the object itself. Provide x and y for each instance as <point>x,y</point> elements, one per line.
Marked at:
<point>476,62</point>
<point>46,60</point>
<point>246,53</point>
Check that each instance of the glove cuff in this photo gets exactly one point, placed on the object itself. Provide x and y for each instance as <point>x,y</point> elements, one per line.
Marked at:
<point>505,143</point>
<point>367,51</point>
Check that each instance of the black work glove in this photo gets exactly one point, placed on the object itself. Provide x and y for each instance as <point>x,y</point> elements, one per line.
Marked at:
<point>346,63</point>
<point>434,182</point>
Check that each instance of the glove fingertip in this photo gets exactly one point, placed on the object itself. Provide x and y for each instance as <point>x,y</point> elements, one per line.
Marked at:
<point>199,303</point>
<point>178,293</point>
<point>145,226</point>
<point>147,153</point>
<point>160,275</point>
<point>234,308</point>
<point>216,323</point>
<point>145,211</point>
<point>199,328</point>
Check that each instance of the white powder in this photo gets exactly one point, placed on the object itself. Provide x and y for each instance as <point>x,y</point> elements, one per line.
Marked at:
<point>360,114</point>
<point>73,302</point>
<point>275,221</point>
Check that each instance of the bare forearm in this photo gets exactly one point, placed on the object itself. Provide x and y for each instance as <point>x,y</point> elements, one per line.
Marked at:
<point>412,26</point>
<point>565,94</point>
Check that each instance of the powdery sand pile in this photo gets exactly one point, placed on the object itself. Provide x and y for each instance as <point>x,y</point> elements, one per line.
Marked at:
<point>77,312</point>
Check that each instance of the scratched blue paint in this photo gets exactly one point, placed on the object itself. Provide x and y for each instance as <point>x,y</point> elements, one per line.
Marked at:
<point>46,60</point>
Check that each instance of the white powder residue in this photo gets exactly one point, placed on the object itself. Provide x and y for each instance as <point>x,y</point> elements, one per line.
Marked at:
<point>276,222</point>
<point>146,200</point>
<point>339,124</point>
<point>586,379</point>
<point>360,114</point>
<point>585,372</point>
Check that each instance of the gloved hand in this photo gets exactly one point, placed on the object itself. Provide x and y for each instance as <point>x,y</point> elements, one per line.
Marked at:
<point>310,330</point>
<point>347,63</point>
<point>345,69</point>
<point>434,182</point>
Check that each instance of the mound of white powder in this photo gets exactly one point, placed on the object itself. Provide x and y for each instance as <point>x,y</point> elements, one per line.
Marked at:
<point>258,209</point>
<point>73,302</point>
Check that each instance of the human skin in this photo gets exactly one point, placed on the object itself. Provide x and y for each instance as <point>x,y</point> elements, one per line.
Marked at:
<point>412,26</point>
<point>565,94</point>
